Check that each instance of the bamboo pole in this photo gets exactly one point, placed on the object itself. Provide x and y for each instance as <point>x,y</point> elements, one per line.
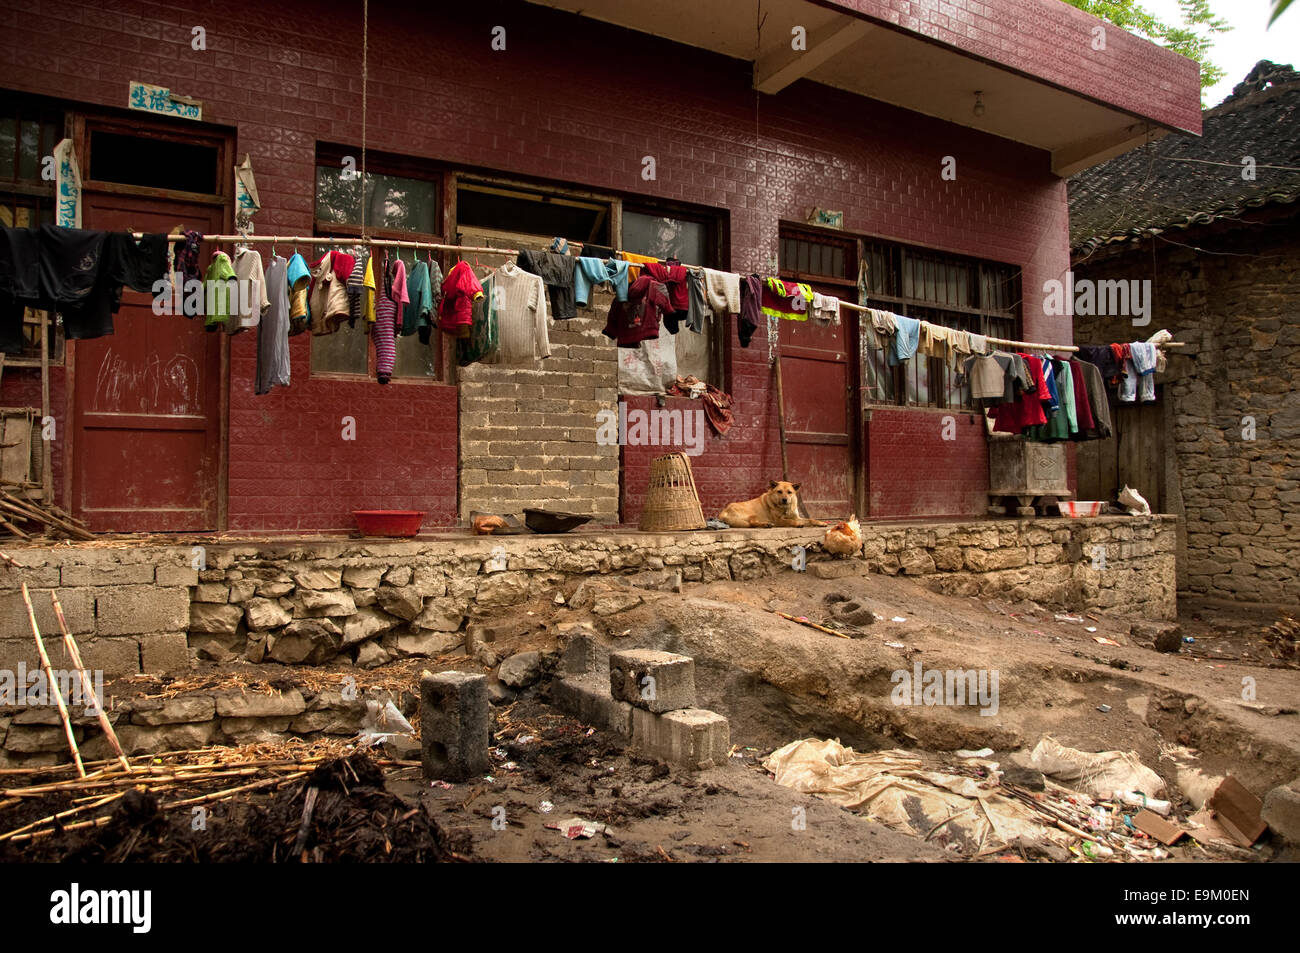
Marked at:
<point>88,688</point>
<point>809,623</point>
<point>54,685</point>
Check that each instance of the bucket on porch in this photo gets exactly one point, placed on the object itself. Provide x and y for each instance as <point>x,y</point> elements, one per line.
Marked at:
<point>671,502</point>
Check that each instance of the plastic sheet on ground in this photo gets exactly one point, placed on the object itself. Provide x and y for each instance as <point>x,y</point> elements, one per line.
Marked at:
<point>1100,773</point>
<point>900,790</point>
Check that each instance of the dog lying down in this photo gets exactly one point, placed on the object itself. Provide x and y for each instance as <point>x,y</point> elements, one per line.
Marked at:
<point>779,506</point>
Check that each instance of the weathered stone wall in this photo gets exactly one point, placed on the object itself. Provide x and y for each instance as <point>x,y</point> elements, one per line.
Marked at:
<point>528,437</point>
<point>1239,311</point>
<point>137,608</point>
<point>30,737</point>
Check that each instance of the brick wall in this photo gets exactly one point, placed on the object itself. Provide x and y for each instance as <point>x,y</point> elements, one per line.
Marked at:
<point>1240,498</point>
<point>438,91</point>
<point>528,437</point>
<point>1054,41</point>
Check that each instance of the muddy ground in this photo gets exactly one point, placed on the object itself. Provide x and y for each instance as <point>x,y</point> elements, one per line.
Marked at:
<point>777,681</point>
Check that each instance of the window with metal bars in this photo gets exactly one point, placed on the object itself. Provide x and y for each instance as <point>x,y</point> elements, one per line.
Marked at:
<point>29,131</point>
<point>954,291</point>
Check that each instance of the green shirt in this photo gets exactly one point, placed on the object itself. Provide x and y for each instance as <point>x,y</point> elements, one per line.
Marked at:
<point>218,281</point>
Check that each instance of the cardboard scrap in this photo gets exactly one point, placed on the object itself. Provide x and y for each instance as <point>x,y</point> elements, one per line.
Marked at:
<point>1237,811</point>
<point>1149,822</point>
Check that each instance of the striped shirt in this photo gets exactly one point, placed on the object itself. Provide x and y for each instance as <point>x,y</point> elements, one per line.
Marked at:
<point>385,330</point>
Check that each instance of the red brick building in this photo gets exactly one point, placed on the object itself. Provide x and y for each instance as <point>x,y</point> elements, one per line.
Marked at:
<point>942,131</point>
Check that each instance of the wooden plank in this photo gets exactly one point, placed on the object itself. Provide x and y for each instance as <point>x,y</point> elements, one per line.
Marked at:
<point>47,470</point>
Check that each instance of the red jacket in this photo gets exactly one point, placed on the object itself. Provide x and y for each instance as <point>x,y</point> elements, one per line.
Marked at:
<point>460,289</point>
<point>637,319</point>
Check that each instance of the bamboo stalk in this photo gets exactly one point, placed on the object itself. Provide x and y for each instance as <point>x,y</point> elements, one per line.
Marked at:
<point>70,645</point>
<point>68,813</point>
<point>229,792</point>
<point>811,625</point>
<point>54,686</point>
<point>14,529</point>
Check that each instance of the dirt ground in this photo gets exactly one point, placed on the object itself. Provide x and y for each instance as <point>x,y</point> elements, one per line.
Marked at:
<point>777,681</point>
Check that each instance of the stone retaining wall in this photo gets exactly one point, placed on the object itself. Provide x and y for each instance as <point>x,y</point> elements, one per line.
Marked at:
<point>31,737</point>
<point>146,608</point>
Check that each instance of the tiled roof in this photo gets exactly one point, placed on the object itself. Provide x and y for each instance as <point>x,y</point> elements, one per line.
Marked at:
<point>1175,181</point>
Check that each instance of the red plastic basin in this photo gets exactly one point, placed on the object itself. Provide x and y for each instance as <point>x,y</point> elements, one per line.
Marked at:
<point>389,522</point>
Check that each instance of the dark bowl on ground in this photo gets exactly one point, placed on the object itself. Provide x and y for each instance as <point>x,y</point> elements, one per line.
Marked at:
<point>551,521</point>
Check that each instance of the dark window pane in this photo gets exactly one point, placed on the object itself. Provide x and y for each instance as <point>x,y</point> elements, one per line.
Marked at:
<point>154,163</point>
<point>29,149</point>
<point>665,238</point>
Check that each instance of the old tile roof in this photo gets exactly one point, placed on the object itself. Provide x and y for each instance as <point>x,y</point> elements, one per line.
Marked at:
<point>1171,183</point>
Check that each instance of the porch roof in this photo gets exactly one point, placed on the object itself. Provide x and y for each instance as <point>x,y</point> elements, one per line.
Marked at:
<point>1041,81</point>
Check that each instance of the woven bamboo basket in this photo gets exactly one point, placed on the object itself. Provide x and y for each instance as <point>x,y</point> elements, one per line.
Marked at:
<point>671,502</point>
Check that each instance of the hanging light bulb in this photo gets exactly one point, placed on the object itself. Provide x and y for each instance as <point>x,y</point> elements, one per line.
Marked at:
<point>979,103</point>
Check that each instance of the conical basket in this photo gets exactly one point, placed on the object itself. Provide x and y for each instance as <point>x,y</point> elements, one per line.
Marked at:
<point>671,502</point>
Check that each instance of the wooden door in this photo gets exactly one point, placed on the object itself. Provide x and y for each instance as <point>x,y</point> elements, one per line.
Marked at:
<point>1133,456</point>
<point>818,371</point>
<point>146,402</point>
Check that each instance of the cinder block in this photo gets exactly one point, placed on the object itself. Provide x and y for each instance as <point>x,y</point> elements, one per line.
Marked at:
<point>111,656</point>
<point>107,574</point>
<point>455,720</point>
<point>78,611</point>
<point>653,681</point>
<point>587,698</point>
<point>140,610</point>
<point>176,576</point>
<point>165,653</point>
<point>692,738</point>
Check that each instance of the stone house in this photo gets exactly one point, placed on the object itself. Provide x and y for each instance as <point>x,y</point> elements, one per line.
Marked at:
<point>943,134</point>
<point>1214,225</point>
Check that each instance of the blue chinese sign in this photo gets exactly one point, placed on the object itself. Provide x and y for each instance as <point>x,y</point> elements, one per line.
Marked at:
<point>156,99</point>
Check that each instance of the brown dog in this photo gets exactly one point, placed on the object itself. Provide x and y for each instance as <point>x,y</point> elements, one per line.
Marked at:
<point>779,506</point>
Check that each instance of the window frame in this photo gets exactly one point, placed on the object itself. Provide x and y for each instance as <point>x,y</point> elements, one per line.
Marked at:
<point>715,244</point>
<point>399,166</point>
<point>906,378</point>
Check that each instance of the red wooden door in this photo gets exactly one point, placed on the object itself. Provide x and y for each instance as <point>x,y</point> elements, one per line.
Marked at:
<point>146,435</point>
<point>817,375</point>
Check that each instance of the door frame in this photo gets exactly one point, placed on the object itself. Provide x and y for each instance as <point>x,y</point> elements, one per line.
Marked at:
<point>82,122</point>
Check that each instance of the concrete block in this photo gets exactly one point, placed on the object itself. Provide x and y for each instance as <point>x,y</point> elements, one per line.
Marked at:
<point>78,610</point>
<point>107,574</point>
<point>165,653</point>
<point>455,720</point>
<point>139,610</point>
<point>587,699</point>
<point>691,738</point>
<point>34,576</point>
<point>111,656</point>
<point>654,681</point>
<point>176,576</point>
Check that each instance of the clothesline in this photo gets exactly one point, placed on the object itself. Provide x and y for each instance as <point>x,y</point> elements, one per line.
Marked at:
<point>483,249</point>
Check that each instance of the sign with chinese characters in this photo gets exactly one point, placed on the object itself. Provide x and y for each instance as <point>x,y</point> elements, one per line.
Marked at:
<point>67,184</point>
<point>246,200</point>
<point>825,217</point>
<point>156,99</point>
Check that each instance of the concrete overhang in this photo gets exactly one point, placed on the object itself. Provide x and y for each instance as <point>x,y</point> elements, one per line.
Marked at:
<point>1034,63</point>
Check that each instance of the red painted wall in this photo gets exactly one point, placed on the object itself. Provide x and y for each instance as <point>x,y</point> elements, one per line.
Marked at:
<point>287,75</point>
<point>914,471</point>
